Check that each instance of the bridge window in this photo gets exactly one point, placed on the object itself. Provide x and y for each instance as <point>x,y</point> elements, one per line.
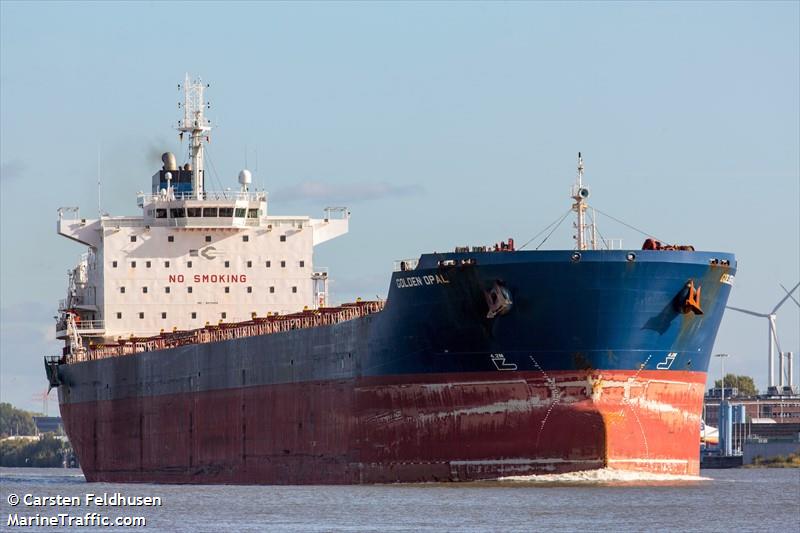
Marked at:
<point>227,290</point>
<point>283,264</point>
<point>194,211</point>
<point>226,212</point>
<point>122,290</point>
<point>119,315</point>
<point>147,264</point>
<point>224,314</point>
<point>245,238</point>
<point>294,289</point>
<point>302,264</point>
<point>141,316</point>
<point>272,290</point>
<point>269,264</point>
<point>249,264</point>
<point>161,213</point>
<point>166,290</point>
<point>188,264</point>
<point>114,264</point>
<point>252,213</point>
<point>166,264</point>
<point>144,290</point>
<point>177,212</point>
<point>227,264</point>
<point>189,290</point>
<point>133,264</point>
<point>163,315</point>
<point>209,211</point>
<point>171,238</point>
<point>240,212</point>
<point>283,238</point>
<point>133,238</point>
<point>194,315</point>
<point>249,289</point>
<point>208,238</point>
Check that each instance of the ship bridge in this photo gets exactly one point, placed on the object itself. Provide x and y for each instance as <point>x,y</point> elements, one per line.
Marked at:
<point>192,257</point>
<point>208,209</point>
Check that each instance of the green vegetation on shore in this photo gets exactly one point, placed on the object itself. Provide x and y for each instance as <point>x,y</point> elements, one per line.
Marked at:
<point>15,421</point>
<point>46,451</point>
<point>21,446</point>
<point>745,384</point>
<point>780,461</point>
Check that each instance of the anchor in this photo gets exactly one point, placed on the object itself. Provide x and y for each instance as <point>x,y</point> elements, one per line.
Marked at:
<point>692,302</point>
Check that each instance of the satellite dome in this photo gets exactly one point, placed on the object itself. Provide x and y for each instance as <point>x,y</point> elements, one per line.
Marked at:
<point>245,177</point>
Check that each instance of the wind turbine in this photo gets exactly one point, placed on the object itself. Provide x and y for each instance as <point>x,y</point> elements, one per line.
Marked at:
<point>788,355</point>
<point>773,329</point>
<point>790,294</point>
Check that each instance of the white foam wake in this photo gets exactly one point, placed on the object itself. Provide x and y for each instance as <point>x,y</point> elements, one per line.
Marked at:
<point>603,475</point>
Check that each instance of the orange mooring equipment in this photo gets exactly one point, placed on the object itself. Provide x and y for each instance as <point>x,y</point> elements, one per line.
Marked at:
<point>692,302</point>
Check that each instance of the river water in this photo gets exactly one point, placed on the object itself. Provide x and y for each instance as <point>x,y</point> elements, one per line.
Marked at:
<point>719,500</point>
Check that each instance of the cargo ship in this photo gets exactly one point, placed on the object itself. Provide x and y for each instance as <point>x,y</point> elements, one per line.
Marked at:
<point>200,347</point>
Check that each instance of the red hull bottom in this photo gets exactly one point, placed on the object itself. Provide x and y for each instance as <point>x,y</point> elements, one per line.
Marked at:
<point>454,427</point>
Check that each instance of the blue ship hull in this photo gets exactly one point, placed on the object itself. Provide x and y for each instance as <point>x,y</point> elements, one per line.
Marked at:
<point>601,312</point>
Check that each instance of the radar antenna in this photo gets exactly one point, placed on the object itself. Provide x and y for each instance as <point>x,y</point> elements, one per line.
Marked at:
<point>195,124</point>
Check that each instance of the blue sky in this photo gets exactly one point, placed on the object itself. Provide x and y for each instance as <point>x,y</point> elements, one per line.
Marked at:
<point>439,124</point>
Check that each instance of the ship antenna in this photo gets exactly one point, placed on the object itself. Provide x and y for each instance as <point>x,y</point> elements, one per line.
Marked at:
<point>580,194</point>
<point>199,127</point>
<point>99,210</point>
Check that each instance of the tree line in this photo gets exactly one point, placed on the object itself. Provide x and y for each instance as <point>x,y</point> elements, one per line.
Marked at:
<point>15,421</point>
<point>745,384</point>
<point>46,451</point>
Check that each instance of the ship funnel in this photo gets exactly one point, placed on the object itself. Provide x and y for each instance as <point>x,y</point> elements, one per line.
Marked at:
<point>168,158</point>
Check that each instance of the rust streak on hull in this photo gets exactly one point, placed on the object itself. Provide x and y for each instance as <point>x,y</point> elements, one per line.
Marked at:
<point>411,428</point>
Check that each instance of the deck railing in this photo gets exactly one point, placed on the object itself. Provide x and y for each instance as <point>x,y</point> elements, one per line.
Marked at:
<point>251,196</point>
<point>82,326</point>
<point>401,265</point>
<point>258,326</point>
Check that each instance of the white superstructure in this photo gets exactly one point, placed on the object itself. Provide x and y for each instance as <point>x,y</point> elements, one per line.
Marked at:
<point>193,257</point>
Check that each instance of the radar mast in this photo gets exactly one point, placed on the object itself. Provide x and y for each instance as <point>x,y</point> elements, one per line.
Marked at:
<point>584,233</point>
<point>195,124</point>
